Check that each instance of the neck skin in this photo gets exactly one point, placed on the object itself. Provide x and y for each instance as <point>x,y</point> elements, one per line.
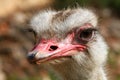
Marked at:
<point>71,70</point>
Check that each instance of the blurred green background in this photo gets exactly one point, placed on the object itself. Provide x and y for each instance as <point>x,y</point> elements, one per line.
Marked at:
<point>15,42</point>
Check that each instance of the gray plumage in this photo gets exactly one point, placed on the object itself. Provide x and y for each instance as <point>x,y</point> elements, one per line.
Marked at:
<point>86,65</point>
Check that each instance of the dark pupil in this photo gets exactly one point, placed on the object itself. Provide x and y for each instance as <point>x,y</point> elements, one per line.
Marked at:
<point>86,35</point>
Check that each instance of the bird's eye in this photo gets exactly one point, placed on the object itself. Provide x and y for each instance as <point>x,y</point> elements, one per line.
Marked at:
<point>86,35</point>
<point>32,34</point>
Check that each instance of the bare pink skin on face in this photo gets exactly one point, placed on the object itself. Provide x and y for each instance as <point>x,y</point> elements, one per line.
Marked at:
<point>87,25</point>
<point>50,49</point>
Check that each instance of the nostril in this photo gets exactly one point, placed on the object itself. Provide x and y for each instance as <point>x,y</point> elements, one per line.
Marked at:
<point>53,47</point>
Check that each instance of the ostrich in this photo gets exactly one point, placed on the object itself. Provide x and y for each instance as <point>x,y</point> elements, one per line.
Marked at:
<point>69,41</point>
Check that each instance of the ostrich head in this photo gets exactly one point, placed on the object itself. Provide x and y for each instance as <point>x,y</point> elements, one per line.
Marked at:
<point>69,41</point>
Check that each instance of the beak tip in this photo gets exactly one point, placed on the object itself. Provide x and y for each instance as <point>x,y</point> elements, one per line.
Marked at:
<point>31,57</point>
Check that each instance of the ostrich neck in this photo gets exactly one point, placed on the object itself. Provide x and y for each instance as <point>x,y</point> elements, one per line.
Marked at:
<point>73,71</point>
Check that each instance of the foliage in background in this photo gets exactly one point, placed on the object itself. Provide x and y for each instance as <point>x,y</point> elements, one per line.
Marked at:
<point>100,4</point>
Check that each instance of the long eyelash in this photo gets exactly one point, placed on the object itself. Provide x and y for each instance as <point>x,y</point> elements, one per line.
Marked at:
<point>93,29</point>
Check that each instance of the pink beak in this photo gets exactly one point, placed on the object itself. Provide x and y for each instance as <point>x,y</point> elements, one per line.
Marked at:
<point>50,49</point>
